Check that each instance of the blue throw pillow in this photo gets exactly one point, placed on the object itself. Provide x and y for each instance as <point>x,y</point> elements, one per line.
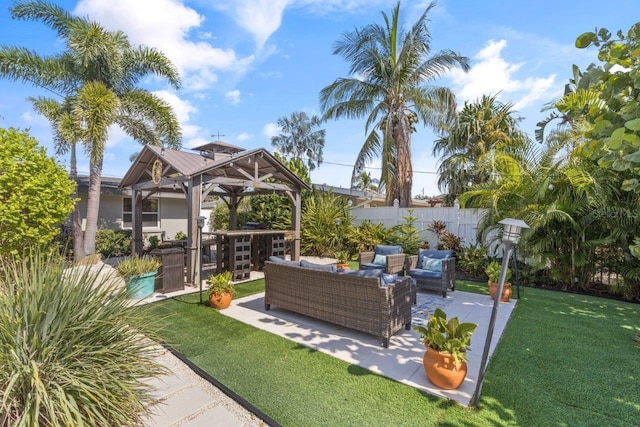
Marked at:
<point>431,264</point>
<point>388,279</point>
<point>380,260</point>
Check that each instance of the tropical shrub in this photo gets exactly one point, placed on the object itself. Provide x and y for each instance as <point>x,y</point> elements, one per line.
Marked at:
<point>113,242</point>
<point>449,240</point>
<point>35,193</point>
<point>367,235</point>
<point>320,234</point>
<point>407,235</point>
<point>473,260</point>
<point>71,351</point>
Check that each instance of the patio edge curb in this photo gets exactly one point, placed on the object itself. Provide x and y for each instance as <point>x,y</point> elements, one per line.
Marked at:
<point>226,390</point>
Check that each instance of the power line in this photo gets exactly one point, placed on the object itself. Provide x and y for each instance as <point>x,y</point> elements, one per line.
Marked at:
<point>373,167</point>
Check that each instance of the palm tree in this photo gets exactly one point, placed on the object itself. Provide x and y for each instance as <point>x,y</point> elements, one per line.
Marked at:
<point>390,72</point>
<point>466,146</point>
<point>298,139</point>
<point>365,182</point>
<point>66,134</point>
<point>96,74</point>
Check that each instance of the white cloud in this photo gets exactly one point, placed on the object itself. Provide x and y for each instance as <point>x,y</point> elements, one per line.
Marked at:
<point>183,110</point>
<point>491,74</point>
<point>165,24</point>
<point>233,96</point>
<point>196,142</point>
<point>244,136</point>
<point>271,129</point>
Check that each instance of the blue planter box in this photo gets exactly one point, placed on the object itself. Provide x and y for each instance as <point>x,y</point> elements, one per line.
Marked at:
<point>141,286</point>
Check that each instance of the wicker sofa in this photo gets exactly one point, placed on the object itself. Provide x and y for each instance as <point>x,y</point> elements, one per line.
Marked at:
<point>442,279</point>
<point>346,299</point>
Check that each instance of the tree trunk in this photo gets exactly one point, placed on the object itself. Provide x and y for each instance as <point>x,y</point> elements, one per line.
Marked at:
<point>404,176</point>
<point>76,222</point>
<point>93,206</point>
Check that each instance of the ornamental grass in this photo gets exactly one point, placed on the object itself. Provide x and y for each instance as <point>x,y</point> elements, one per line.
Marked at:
<point>71,351</point>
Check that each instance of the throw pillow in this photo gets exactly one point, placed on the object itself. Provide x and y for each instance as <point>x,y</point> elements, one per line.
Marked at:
<point>431,264</point>
<point>380,260</point>
<point>388,279</point>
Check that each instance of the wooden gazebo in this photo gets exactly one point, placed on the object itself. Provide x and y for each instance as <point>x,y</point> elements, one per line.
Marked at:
<point>218,168</point>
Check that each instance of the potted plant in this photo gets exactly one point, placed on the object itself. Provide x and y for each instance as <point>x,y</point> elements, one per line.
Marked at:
<point>139,273</point>
<point>220,290</point>
<point>445,360</point>
<point>493,272</point>
<point>342,259</point>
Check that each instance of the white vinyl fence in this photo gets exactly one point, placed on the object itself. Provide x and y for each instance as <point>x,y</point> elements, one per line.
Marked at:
<point>461,222</point>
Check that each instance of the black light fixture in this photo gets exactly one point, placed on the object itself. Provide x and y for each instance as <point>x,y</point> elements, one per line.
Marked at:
<point>510,237</point>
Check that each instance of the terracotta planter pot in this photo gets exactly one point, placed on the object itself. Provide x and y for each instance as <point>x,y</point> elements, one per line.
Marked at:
<point>344,266</point>
<point>220,301</point>
<point>506,291</point>
<point>442,370</point>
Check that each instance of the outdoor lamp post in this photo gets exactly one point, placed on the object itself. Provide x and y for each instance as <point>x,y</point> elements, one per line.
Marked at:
<point>510,237</point>
<point>200,220</point>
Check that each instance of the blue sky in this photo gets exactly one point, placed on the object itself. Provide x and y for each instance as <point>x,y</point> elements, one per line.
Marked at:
<point>245,63</point>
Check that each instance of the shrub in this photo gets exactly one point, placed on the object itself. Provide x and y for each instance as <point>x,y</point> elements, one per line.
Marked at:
<point>71,351</point>
<point>35,193</point>
<point>474,260</point>
<point>368,234</point>
<point>113,242</point>
<point>320,234</point>
<point>407,235</point>
<point>450,241</point>
<point>180,235</point>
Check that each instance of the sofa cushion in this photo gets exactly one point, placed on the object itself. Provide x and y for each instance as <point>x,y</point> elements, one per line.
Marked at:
<point>388,249</point>
<point>427,274</point>
<point>380,259</point>
<point>323,267</point>
<point>363,273</point>
<point>431,264</point>
<point>372,266</point>
<point>279,260</point>
<point>433,253</point>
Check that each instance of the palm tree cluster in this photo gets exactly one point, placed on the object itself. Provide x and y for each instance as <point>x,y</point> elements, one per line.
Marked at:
<point>470,148</point>
<point>96,76</point>
<point>389,87</point>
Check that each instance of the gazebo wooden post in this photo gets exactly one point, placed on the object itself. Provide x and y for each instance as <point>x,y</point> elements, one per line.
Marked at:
<point>194,190</point>
<point>296,214</point>
<point>233,211</point>
<point>136,221</point>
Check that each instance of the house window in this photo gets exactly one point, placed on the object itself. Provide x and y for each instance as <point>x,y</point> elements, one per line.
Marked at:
<point>150,217</point>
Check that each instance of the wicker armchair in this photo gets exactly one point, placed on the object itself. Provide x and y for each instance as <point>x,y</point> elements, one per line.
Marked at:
<point>390,259</point>
<point>431,279</point>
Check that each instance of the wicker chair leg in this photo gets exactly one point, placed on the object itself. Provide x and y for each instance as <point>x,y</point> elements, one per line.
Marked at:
<point>408,326</point>
<point>385,342</point>
<point>267,307</point>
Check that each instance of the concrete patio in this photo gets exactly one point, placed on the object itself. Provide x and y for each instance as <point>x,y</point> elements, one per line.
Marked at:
<point>402,361</point>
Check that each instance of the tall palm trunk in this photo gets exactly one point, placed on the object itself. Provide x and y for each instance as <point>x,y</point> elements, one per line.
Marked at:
<point>76,222</point>
<point>93,206</point>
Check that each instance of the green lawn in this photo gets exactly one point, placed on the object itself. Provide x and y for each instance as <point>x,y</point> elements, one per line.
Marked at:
<point>564,360</point>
